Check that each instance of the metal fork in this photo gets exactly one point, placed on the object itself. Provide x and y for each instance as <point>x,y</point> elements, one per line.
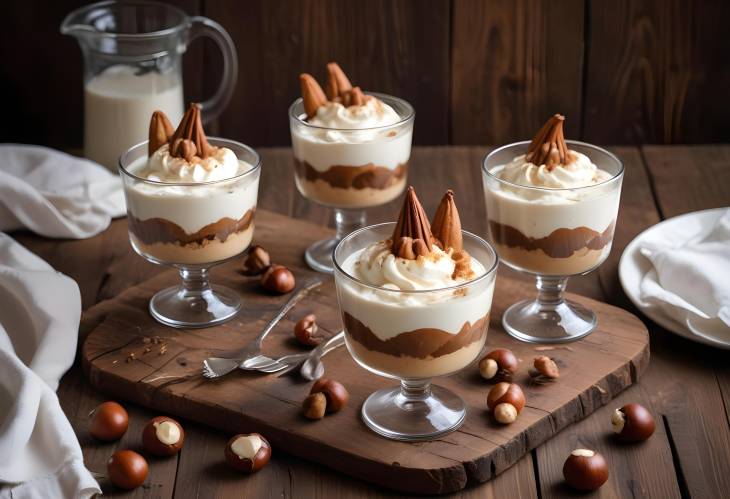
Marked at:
<point>250,356</point>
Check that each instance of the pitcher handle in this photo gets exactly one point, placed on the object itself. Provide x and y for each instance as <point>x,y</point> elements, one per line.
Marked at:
<point>202,26</point>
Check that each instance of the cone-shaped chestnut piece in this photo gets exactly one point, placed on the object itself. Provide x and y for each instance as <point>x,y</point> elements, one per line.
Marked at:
<point>312,94</point>
<point>548,147</point>
<point>190,129</point>
<point>446,226</point>
<point>337,81</point>
<point>160,132</point>
<point>412,236</point>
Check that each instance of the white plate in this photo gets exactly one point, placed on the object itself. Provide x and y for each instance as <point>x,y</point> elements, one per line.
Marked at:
<point>633,267</point>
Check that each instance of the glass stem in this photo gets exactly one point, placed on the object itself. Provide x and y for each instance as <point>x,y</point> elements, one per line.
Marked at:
<point>195,282</point>
<point>414,390</point>
<point>347,221</point>
<point>550,292</point>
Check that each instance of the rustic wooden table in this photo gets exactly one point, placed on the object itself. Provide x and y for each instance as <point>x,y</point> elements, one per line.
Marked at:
<point>687,386</point>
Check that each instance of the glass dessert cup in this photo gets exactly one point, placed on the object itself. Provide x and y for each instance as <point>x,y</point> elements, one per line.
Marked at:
<point>414,336</point>
<point>349,170</point>
<point>192,227</point>
<point>552,234</point>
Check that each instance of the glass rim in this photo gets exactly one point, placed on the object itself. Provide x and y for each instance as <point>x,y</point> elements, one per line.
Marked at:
<point>67,28</point>
<point>468,234</point>
<point>613,178</point>
<point>213,141</point>
<point>383,97</point>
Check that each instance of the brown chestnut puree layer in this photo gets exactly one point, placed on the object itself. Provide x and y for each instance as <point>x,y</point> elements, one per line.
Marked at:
<point>420,343</point>
<point>561,243</point>
<point>159,230</point>
<point>355,177</point>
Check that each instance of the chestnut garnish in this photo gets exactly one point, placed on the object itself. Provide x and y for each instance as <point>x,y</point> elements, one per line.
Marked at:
<point>109,421</point>
<point>278,279</point>
<point>305,331</point>
<point>632,423</point>
<point>334,392</point>
<point>248,452</point>
<point>127,469</point>
<point>498,365</point>
<point>257,261</point>
<point>505,401</point>
<point>314,406</point>
<point>585,470</point>
<point>163,436</point>
<point>545,368</point>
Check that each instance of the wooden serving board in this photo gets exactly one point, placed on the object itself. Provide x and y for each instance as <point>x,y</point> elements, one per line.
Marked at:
<point>593,370</point>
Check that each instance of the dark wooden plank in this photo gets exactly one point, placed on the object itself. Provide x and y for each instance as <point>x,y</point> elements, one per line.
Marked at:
<point>651,66</point>
<point>514,63</point>
<point>395,47</point>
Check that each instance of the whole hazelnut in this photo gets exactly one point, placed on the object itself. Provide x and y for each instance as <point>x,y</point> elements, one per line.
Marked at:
<point>498,365</point>
<point>545,367</point>
<point>335,393</point>
<point>278,279</point>
<point>109,421</point>
<point>314,406</point>
<point>248,452</point>
<point>162,436</point>
<point>632,423</point>
<point>585,470</point>
<point>305,331</point>
<point>257,260</point>
<point>127,469</point>
<point>506,401</point>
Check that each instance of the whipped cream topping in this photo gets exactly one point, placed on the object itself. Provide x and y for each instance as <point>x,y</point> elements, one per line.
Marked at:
<point>377,266</point>
<point>164,167</point>
<point>373,113</point>
<point>580,172</point>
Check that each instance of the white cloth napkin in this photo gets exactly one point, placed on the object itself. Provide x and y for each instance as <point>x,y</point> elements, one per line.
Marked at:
<point>55,194</point>
<point>39,319</point>
<point>690,278</point>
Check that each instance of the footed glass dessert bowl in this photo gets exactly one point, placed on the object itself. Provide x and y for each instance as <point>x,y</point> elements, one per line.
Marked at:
<point>413,320</point>
<point>552,217</point>
<point>191,213</point>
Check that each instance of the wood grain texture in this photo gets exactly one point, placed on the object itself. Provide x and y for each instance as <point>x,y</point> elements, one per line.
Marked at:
<point>651,68</point>
<point>514,64</point>
<point>395,47</point>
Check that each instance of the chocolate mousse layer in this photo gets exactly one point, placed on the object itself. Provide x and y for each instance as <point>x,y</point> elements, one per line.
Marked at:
<point>353,177</point>
<point>420,343</point>
<point>561,243</point>
<point>159,230</point>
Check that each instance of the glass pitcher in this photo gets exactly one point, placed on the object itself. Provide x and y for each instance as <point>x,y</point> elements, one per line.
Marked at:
<point>133,66</point>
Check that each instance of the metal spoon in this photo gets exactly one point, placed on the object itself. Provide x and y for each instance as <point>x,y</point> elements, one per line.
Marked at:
<point>313,368</point>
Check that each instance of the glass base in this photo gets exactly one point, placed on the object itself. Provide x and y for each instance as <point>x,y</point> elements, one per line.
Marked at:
<point>423,413</point>
<point>534,322</point>
<point>178,306</point>
<point>319,255</point>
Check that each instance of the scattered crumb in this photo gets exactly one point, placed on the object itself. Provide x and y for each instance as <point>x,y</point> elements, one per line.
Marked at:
<point>115,362</point>
<point>163,350</point>
<point>131,357</point>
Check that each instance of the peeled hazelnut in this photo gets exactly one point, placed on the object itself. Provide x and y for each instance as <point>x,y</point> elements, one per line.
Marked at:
<point>506,401</point>
<point>257,261</point>
<point>127,469</point>
<point>109,421</point>
<point>498,365</point>
<point>278,279</point>
<point>162,436</point>
<point>248,452</point>
<point>314,406</point>
<point>632,423</point>
<point>585,470</point>
<point>305,331</point>
<point>545,367</point>
<point>335,393</point>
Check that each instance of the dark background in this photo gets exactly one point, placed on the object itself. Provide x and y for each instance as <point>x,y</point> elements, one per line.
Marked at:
<point>477,71</point>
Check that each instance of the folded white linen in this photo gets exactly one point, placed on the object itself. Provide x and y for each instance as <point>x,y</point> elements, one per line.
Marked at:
<point>55,194</point>
<point>39,318</point>
<point>690,278</point>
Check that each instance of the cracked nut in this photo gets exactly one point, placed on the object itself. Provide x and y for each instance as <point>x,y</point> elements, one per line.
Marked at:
<point>109,421</point>
<point>585,470</point>
<point>248,452</point>
<point>257,261</point>
<point>278,279</point>
<point>334,392</point>
<point>305,331</point>
<point>505,401</point>
<point>632,423</point>
<point>545,367</point>
<point>498,365</point>
<point>162,436</point>
<point>127,469</point>
<point>314,406</point>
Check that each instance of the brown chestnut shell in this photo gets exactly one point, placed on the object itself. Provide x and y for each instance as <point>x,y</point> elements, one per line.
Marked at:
<point>585,473</point>
<point>260,460</point>
<point>152,444</point>
<point>127,469</point>
<point>108,421</point>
